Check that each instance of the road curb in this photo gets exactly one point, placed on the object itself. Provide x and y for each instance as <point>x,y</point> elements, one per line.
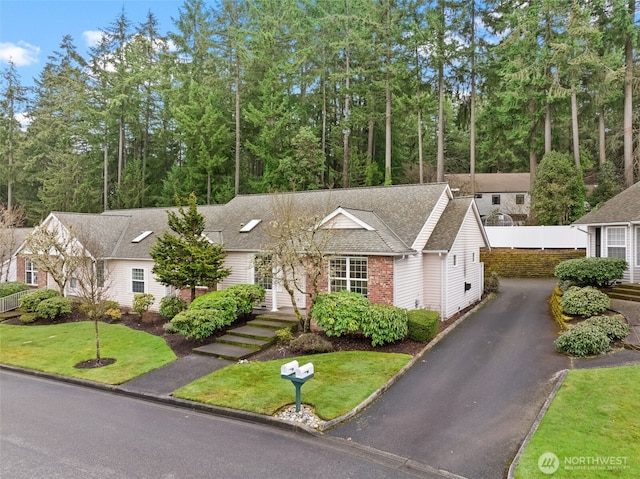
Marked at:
<point>560,377</point>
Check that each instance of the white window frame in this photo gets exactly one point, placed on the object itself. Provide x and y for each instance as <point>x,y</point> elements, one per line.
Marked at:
<point>266,281</point>
<point>495,200</point>
<point>135,280</point>
<point>637,245</point>
<point>30,273</point>
<point>357,284</point>
<point>614,242</point>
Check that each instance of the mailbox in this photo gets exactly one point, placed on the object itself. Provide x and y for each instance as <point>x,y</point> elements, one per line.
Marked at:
<point>304,371</point>
<point>289,368</point>
<point>298,375</point>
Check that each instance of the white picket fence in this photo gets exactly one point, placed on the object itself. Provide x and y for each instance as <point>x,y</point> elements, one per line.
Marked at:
<point>537,237</point>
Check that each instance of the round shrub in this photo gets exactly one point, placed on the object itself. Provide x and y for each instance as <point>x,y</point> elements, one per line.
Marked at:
<point>598,272</point>
<point>171,305</point>
<point>52,308</point>
<point>12,287</point>
<point>310,343</point>
<point>142,302</point>
<point>583,340</point>
<point>584,302</point>
<point>246,296</point>
<point>340,313</point>
<point>200,323</point>
<point>28,318</point>
<point>491,283</point>
<point>29,302</point>
<point>384,324</point>
<point>422,325</point>
<point>612,326</point>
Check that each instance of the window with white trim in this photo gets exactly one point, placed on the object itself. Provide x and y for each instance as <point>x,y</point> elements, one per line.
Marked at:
<point>30,273</point>
<point>349,273</point>
<point>100,273</point>
<point>455,260</point>
<point>617,242</point>
<point>137,280</point>
<point>260,277</point>
<point>637,245</point>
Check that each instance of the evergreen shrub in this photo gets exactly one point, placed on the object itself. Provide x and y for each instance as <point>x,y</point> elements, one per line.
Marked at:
<point>384,324</point>
<point>597,272</point>
<point>340,313</point>
<point>612,326</point>
<point>583,340</point>
<point>29,302</point>
<point>142,302</point>
<point>200,323</point>
<point>422,324</point>
<point>11,287</point>
<point>171,305</point>
<point>585,302</point>
<point>52,308</point>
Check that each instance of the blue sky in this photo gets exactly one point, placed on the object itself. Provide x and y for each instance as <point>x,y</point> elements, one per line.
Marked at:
<point>31,30</point>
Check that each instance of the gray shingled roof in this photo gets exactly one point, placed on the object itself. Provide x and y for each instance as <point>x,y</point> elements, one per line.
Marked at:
<point>96,231</point>
<point>446,231</point>
<point>397,214</point>
<point>622,208</point>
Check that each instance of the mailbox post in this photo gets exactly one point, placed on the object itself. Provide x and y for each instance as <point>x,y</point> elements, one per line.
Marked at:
<point>298,375</point>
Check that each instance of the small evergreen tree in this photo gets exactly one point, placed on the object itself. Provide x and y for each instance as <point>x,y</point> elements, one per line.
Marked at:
<point>558,192</point>
<point>188,259</point>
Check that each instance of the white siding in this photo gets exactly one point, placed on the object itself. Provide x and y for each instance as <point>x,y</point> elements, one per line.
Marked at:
<point>431,222</point>
<point>433,282</point>
<point>407,282</point>
<point>119,282</point>
<point>468,269</point>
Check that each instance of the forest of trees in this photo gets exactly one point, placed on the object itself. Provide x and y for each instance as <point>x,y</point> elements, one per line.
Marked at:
<point>247,96</point>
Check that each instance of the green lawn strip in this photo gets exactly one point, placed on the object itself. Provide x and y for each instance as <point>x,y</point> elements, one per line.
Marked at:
<point>592,426</point>
<point>341,381</point>
<point>57,348</point>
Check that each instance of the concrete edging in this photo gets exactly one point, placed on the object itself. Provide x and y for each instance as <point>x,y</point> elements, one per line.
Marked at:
<point>560,377</point>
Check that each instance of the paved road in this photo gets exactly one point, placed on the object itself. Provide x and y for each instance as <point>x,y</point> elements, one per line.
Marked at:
<point>467,406</point>
<point>51,429</point>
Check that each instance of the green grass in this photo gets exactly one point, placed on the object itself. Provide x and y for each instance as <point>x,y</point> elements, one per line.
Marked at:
<point>341,381</point>
<point>596,414</point>
<point>57,348</point>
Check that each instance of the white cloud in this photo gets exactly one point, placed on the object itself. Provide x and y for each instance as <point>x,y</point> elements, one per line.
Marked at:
<point>21,53</point>
<point>92,37</point>
<point>24,119</point>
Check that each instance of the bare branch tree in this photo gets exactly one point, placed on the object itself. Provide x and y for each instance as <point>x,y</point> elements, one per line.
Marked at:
<point>297,253</point>
<point>55,250</point>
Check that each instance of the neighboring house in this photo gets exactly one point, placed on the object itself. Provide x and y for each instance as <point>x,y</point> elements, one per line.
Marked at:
<point>10,241</point>
<point>504,192</point>
<point>412,246</point>
<point>614,230</point>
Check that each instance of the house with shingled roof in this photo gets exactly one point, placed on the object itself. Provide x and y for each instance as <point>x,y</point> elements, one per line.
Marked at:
<point>411,246</point>
<point>614,230</point>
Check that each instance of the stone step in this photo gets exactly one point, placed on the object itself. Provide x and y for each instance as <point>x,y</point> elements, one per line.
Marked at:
<point>270,323</point>
<point>226,351</point>
<point>243,341</point>
<point>624,296</point>
<point>253,332</point>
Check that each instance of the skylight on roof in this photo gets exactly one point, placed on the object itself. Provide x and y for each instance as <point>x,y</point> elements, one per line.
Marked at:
<point>249,226</point>
<point>141,236</point>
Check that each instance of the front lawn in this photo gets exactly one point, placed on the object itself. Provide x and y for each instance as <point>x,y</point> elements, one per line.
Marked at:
<point>592,427</point>
<point>341,381</point>
<point>58,348</point>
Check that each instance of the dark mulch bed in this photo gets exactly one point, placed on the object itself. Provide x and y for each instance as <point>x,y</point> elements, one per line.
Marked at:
<point>152,323</point>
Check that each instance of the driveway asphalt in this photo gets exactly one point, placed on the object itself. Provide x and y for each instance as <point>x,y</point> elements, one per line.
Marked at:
<point>469,403</point>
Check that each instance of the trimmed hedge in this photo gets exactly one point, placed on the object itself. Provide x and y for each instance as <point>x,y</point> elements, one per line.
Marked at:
<point>585,302</point>
<point>200,323</point>
<point>172,305</point>
<point>525,263</point>
<point>12,287</point>
<point>597,272</point>
<point>422,324</point>
<point>612,326</point>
